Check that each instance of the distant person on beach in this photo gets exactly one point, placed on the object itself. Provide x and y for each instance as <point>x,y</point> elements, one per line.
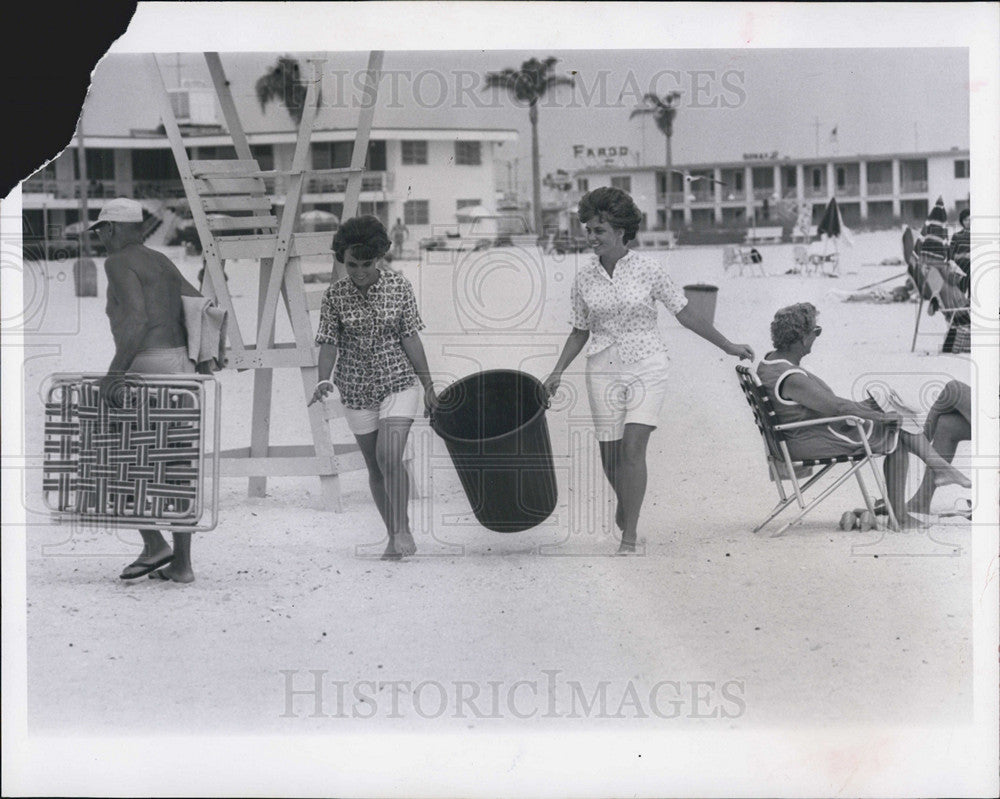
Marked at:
<point>368,330</point>
<point>798,396</point>
<point>960,252</point>
<point>147,322</point>
<point>614,309</point>
<point>949,422</point>
<point>399,234</point>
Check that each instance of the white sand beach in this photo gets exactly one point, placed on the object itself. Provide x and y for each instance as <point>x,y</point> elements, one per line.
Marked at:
<point>815,627</point>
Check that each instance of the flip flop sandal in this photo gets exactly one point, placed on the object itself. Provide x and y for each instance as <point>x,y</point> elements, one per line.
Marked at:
<point>140,568</point>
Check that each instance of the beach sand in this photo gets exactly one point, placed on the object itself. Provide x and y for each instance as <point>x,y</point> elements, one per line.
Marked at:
<point>816,627</point>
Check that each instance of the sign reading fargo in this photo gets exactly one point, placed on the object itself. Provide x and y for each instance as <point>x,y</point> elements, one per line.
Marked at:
<point>582,151</point>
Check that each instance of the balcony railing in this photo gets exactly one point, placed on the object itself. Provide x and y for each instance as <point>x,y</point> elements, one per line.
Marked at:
<point>702,196</point>
<point>337,184</point>
<point>157,189</point>
<point>913,186</point>
<point>849,190</point>
<point>763,192</point>
<point>676,198</point>
<point>69,189</point>
<point>880,188</point>
<point>814,191</point>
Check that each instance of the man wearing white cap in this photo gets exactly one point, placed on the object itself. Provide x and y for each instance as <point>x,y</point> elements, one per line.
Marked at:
<point>147,323</point>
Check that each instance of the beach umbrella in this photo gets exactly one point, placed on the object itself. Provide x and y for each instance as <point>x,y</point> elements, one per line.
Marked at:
<point>934,233</point>
<point>830,224</point>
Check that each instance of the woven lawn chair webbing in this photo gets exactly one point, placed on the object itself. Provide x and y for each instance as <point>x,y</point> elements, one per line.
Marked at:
<point>763,413</point>
<point>139,461</point>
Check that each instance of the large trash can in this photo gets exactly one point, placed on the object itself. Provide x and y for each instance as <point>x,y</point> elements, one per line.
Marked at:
<point>701,300</point>
<point>493,424</point>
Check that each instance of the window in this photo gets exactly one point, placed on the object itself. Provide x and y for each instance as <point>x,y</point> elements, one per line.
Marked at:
<point>100,164</point>
<point>460,204</point>
<point>379,209</point>
<point>582,184</point>
<point>264,155</point>
<point>416,212</point>
<point>962,168</point>
<point>841,177</point>
<point>468,153</point>
<point>817,178</point>
<point>623,182</point>
<point>337,155</point>
<point>414,152</point>
<point>154,165</point>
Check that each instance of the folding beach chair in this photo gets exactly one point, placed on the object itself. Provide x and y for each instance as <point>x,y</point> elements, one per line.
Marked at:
<point>781,466</point>
<point>941,295</point>
<point>737,257</point>
<point>801,256</point>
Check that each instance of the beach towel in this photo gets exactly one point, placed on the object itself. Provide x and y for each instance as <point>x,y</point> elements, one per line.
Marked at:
<point>206,333</point>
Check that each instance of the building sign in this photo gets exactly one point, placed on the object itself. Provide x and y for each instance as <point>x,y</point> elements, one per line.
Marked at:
<point>582,151</point>
<point>771,156</point>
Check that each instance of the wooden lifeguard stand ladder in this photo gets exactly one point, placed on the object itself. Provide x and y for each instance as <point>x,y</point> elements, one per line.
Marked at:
<point>235,219</point>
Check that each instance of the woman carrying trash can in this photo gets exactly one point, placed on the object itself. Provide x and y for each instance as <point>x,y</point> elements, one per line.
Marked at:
<point>368,329</point>
<point>614,309</point>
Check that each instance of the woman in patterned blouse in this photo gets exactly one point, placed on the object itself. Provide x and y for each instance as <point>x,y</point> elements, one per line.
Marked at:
<point>368,328</point>
<point>614,308</point>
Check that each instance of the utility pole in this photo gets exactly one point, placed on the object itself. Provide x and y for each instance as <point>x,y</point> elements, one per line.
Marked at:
<point>81,158</point>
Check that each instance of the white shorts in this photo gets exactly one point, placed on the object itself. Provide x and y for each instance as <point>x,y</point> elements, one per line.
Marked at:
<point>623,394</point>
<point>403,404</point>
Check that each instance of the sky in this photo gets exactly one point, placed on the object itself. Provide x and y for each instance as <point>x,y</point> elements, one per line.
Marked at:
<point>788,101</point>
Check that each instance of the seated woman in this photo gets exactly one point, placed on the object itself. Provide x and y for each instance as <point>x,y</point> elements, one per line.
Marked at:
<point>368,329</point>
<point>799,396</point>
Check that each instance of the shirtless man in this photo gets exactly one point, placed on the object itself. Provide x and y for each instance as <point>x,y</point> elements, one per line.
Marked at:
<point>147,323</point>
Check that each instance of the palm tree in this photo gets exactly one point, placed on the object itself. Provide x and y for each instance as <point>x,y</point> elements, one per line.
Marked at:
<point>283,83</point>
<point>529,84</point>
<point>663,110</point>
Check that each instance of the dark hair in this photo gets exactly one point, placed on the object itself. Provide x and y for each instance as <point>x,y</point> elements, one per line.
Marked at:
<point>364,236</point>
<point>963,215</point>
<point>614,207</point>
<point>792,323</point>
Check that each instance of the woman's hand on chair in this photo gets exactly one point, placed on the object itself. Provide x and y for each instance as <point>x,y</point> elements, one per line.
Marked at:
<point>742,351</point>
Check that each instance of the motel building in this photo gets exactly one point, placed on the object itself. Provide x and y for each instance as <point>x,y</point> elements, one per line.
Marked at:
<point>423,176</point>
<point>873,191</point>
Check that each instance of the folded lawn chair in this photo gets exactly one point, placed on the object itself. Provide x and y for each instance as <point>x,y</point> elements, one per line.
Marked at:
<point>781,466</point>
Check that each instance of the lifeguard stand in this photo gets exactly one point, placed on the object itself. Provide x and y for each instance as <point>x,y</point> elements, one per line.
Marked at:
<point>235,219</point>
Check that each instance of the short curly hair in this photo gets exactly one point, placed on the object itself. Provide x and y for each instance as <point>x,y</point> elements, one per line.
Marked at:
<point>792,324</point>
<point>612,206</point>
<point>364,236</point>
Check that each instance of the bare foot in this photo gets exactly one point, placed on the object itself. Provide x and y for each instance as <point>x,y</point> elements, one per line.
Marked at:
<point>405,543</point>
<point>174,574</point>
<point>399,546</point>
<point>626,548</point>
<point>951,476</point>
